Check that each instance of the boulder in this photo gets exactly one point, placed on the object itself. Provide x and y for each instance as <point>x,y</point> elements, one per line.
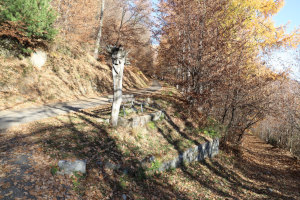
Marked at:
<point>68,167</point>
<point>38,58</point>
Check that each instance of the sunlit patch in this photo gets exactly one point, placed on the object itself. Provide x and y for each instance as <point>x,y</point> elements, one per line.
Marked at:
<point>38,59</point>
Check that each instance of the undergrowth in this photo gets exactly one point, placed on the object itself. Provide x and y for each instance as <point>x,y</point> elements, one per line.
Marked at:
<point>82,135</point>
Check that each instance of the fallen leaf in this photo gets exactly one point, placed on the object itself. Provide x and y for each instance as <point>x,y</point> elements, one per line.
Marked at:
<point>8,194</point>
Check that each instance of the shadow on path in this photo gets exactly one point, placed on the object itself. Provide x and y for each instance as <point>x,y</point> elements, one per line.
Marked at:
<point>10,118</point>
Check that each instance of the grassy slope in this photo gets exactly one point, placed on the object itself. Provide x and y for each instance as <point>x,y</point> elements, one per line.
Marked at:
<point>68,75</point>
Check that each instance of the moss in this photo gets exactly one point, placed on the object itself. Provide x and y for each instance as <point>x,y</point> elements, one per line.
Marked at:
<point>151,125</point>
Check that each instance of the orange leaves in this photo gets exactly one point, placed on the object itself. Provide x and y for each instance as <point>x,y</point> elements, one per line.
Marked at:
<point>211,50</point>
<point>16,31</point>
<point>5,185</point>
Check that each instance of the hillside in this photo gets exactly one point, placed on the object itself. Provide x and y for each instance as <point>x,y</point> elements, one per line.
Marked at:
<point>30,153</point>
<point>68,74</point>
<point>201,112</point>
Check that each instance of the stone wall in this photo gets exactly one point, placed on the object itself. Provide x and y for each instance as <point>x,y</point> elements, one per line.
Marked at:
<point>138,121</point>
<point>196,153</point>
<point>199,152</point>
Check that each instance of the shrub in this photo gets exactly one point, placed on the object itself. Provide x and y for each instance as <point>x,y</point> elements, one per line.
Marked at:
<point>273,141</point>
<point>10,47</point>
<point>151,125</point>
<point>212,129</point>
<point>33,19</point>
<point>54,170</point>
<point>155,167</point>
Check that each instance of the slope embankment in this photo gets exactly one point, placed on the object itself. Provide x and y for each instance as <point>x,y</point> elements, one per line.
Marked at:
<point>68,75</point>
<point>10,118</point>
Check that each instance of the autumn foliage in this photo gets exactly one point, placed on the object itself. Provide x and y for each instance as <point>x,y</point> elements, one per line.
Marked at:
<point>124,22</point>
<point>26,24</point>
<point>211,50</point>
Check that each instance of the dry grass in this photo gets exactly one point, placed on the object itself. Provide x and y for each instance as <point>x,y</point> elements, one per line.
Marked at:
<point>151,140</point>
<point>69,74</point>
<point>81,135</point>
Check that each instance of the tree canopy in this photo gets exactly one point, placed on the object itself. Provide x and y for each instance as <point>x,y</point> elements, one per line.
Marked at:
<point>36,18</point>
<point>211,50</point>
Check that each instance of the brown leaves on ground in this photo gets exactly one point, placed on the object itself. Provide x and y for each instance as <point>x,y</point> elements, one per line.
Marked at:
<point>272,167</point>
<point>262,172</point>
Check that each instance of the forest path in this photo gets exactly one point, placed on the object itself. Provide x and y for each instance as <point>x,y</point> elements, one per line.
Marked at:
<point>21,176</point>
<point>271,167</point>
<point>12,118</point>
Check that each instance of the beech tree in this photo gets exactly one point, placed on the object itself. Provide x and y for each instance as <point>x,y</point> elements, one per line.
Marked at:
<point>210,50</point>
<point>128,23</point>
<point>124,22</point>
<point>281,128</point>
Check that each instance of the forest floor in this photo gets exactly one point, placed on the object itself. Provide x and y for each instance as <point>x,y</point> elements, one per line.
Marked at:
<point>29,154</point>
<point>271,168</point>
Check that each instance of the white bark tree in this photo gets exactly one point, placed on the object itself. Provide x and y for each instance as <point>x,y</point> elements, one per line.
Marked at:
<point>118,56</point>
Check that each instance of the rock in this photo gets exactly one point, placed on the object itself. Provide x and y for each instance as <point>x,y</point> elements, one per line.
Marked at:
<point>128,98</point>
<point>135,122</point>
<point>149,101</point>
<point>139,121</point>
<point>196,153</point>
<point>215,147</point>
<point>147,162</point>
<point>144,120</point>
<point>112,166</point>
<point>38,58</point>
<point>173,163</point>
<point>103,120</point>
<point>125,171</point>
<point>100,163</point>
<point>68,167</point>
<point>156,116</point>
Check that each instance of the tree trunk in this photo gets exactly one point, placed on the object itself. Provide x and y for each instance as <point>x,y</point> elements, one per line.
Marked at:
<point>117,99</point>
<point>98,39</point>
<point>121,25</point>
<point>118,55</point>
